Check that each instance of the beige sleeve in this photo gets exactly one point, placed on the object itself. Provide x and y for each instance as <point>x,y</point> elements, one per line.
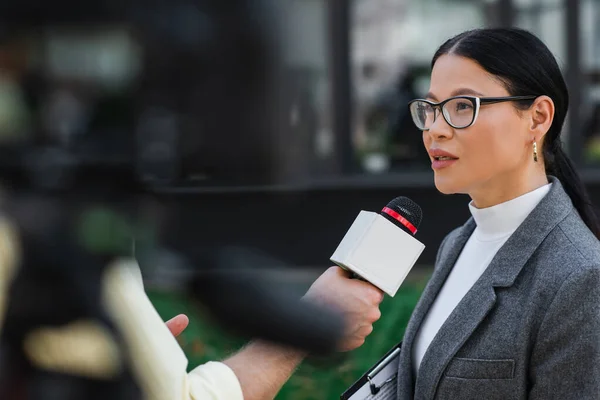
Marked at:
<point>159,362</point>
<point>9,258</point>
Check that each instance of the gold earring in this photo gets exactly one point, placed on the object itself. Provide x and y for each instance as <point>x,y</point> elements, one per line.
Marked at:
<point>535,157</point>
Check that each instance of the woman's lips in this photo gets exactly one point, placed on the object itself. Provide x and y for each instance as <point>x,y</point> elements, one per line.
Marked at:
<point>442,162</point>
<point>441,158</point>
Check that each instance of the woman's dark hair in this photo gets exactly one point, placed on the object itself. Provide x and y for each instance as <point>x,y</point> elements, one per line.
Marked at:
<point>524,64</point>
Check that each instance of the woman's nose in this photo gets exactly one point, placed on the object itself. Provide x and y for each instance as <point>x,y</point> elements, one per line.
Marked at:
<point>440,129</point>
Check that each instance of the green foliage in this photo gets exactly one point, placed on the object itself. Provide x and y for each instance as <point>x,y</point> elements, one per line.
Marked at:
<point>102,230</point>
<point>315,379</point>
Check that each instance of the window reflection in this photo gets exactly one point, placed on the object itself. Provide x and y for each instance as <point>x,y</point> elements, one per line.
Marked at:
<point>393,42</point>
<point>590,32</point>
<point>305,140</point>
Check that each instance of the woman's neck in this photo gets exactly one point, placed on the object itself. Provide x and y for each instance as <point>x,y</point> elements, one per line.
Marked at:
<point>503,189</point>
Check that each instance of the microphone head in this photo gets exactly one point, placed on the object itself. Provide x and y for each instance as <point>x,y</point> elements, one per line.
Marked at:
<point>404,213</point>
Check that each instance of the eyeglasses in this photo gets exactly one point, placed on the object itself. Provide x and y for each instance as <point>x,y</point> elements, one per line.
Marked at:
<point>459,112</point>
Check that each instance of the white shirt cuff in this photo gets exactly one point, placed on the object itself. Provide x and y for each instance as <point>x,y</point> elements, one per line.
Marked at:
<point>215,380</point>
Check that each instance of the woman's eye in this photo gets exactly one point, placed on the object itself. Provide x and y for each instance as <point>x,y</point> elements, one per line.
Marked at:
<point>461,106</point>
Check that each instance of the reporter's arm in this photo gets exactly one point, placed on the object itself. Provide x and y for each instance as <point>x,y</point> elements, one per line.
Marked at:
<point>258,371</point>
<point>263,368</point>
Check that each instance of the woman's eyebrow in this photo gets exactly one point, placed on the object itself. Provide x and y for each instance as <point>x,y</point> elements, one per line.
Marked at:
<point>456,92</point>
<point>431,96</point>
<point>466,91</point>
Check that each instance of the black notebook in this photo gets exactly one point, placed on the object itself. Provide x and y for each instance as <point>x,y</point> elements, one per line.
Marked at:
<point>379,382</point>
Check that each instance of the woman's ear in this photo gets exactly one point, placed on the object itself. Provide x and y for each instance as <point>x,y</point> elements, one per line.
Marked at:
<point>541,115</point>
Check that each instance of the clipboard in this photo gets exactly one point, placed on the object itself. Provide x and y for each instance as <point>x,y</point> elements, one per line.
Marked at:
<point>379,381</point>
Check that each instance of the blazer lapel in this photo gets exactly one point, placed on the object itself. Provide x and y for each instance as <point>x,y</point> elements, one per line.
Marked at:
<point>452,335</point>
<point>477,303</point>
<point>448,255</point>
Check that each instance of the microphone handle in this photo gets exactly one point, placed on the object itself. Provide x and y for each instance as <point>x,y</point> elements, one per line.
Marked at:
<point>254,308</point>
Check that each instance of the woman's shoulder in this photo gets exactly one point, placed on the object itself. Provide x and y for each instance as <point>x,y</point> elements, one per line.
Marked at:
<point>569,252</point>
<point>573,239</point>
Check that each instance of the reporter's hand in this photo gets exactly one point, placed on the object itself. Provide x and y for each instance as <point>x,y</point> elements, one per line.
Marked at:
<point>178,324</point>
<point>357,300</point>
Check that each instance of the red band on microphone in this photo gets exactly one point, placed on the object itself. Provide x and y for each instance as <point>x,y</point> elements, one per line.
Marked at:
<point>400,219</point>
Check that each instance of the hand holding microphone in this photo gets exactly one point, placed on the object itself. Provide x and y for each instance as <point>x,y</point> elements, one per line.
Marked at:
<point>357,301</point>
<point>380,248</point>
<point>378,252</point>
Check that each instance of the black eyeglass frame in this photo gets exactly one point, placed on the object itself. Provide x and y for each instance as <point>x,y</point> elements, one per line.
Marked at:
<point>476,101</point>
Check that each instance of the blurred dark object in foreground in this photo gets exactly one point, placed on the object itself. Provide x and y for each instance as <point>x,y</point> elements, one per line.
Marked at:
<point>112,100</point>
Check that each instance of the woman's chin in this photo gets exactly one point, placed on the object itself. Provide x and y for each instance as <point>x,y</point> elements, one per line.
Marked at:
<point>446,185</point>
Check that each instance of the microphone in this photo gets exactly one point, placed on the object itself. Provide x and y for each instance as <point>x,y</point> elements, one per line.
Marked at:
<point>376,250</point>
<point>233,284</point>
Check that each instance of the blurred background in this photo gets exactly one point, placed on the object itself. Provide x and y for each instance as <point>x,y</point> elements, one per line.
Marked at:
<point>344,135</point>
<point>347,143</point>
<point>344,139</point>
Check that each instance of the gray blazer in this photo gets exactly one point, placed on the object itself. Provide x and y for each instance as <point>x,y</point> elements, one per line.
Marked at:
<point>530,326</point>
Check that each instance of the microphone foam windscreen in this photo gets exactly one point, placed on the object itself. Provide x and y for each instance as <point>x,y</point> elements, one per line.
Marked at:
<point>408,209</point>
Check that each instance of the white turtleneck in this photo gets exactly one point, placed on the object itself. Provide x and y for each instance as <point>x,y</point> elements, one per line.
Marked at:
<point>494,227</point>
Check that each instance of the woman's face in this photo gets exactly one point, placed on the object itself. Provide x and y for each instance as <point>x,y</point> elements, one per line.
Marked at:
<point>495,150</point>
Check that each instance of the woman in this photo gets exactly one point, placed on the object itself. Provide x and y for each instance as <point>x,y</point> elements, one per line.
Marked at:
<point>512,310</point>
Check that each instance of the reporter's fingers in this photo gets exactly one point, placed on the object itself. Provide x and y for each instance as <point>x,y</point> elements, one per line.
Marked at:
<point>178,324</point>
<point>378,295</point>
<point>372,293</point>
<point>365,331</point>
<point>339,271</point>
<point>350,345</point>
<point>357,343</point>
<point>374,315</point>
